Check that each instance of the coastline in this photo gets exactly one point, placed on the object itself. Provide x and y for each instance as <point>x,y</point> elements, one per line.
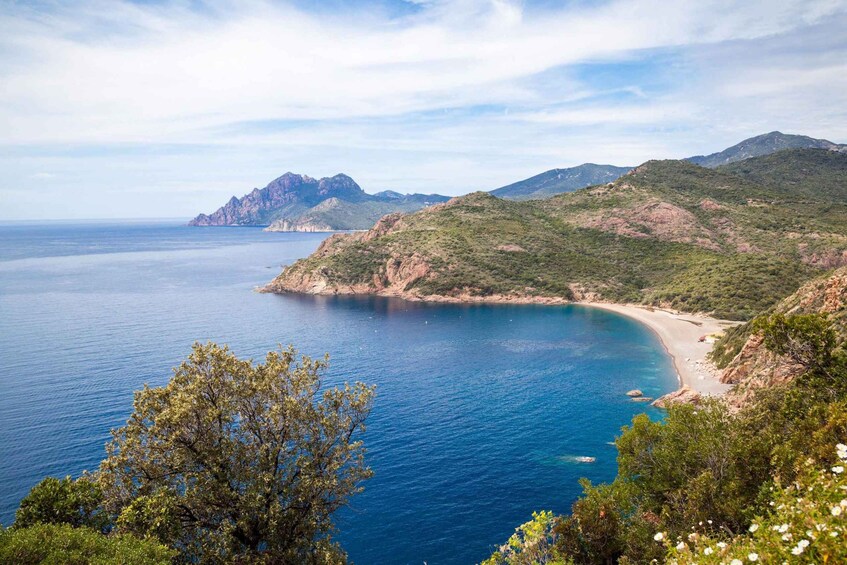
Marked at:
<point>680,334</point>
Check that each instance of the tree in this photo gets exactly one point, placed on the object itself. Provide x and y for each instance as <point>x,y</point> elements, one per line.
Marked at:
<point>235,461</point>
<point>532,543</point>
<point>63,501</point>
<point>810,340</point>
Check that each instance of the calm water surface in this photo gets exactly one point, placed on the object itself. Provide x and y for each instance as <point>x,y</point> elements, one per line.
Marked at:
<point>480,410</point>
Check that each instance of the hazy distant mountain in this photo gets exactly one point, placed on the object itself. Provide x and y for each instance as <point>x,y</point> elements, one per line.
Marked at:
<point>301,203</point>
<point>764,144</point>
<point>557,181</point>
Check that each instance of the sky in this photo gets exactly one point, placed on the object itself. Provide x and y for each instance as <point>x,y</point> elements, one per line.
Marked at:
<point>152,109</point>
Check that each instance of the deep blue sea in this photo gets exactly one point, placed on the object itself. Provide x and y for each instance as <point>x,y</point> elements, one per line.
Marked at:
<point>480,410</point>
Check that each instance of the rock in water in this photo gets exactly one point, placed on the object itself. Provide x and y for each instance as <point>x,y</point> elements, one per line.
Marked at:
<point>685,395</point>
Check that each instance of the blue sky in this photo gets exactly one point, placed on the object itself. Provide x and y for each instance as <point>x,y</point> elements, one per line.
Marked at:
<point>166,109</point>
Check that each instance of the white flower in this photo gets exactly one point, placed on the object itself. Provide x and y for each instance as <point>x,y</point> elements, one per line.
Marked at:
<point>843,503</point>
<point>835,511</point>
<point>786,537</point>
<point>797,550</point>
<point>783,528</point>
<point>735,562</point>
<point>708,551</point>
<point>692,537</point>
<point>754,527</point>
<point>659,537</point>
<point>708,521</point>
<point>803,543</point>
<point>838,469</point>
<point>680,546</point>
<point>753,556</point>
<point>721,545</point>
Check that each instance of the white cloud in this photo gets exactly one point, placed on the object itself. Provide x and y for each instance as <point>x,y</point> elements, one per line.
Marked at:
<point>167,74</point>
<point>194,105</point>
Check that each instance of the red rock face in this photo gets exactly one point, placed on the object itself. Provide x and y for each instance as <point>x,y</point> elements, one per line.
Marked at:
<point>835,293</point>
<point>660,220</point>
<point>755,367</point>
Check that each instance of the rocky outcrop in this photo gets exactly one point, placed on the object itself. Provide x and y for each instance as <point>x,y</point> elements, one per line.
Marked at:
<point>684,395</point>
<point>754,367</point>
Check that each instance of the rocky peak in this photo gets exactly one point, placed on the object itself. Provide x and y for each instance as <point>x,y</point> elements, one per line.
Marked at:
<point>339,185</point>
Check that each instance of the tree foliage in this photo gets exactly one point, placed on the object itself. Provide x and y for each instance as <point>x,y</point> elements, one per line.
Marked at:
<point>239,461</point>
<point>809,340</point>
<point>63,501</point>
<point>807,523</point>
<point>532,542</point>
<point>63,544</point>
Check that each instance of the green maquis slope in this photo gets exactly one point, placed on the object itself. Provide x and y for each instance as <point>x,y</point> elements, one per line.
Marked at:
<point>668,233</point>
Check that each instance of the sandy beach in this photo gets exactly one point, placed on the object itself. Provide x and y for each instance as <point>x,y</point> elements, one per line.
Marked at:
<point>680,334</point>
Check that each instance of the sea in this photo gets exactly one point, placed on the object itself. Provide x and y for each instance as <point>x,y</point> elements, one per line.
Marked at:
<point>483,413</point>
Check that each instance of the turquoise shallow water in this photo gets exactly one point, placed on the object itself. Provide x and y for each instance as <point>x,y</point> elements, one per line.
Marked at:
<point>480,414</point>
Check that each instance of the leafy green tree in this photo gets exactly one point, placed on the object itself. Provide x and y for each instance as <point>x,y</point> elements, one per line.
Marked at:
<point>695,466</point>
<point>606,524</point>
<point>63,544</point>
<point>235,461</point>
<point>809,340</point>
<point>63,501</point>
<point>532,542</point>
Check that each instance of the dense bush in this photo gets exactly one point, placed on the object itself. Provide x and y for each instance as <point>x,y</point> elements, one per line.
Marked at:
<point>63,544</point>
<point>63,501</point>
<point>807,523</point>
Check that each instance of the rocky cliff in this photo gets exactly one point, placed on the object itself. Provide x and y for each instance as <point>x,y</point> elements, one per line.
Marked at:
<point>755,367</point>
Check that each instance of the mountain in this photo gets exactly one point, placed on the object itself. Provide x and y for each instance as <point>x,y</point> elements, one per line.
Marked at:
<point>557,181</point>
<point>764,145</point>
<point>668,233</point>
<point>295,202</point>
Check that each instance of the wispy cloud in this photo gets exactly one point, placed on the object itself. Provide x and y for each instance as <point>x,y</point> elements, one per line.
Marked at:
<point>434,93</point>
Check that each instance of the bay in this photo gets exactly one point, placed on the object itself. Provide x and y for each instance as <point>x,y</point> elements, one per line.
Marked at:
<point>481,410</point>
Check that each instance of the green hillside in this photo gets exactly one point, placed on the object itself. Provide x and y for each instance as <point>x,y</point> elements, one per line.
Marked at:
<point>669,233</point>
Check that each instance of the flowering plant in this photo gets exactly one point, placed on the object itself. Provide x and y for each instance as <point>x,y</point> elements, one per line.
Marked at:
<point>807,524</point>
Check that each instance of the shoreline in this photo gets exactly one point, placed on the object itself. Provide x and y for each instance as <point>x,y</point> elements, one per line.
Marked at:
<point>679,333</point>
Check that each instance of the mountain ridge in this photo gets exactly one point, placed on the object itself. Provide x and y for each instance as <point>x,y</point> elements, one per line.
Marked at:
<point>557,181</point>
<point>764,144</point>
<point>292,202</point>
